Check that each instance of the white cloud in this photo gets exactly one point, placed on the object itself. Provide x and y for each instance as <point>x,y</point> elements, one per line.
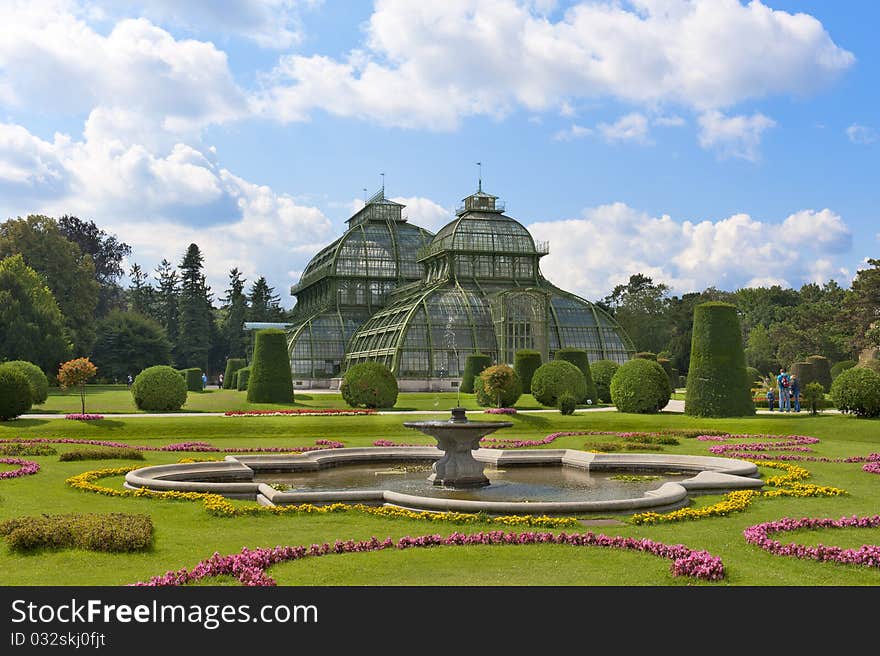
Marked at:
<point>733,136</point>
<point>861,134</point>
<point>424,212</point>
<point>575,131</point>
<point>592,254</point>
<point>431,64</point>
<point>671,121</point>
<point>632,127</point>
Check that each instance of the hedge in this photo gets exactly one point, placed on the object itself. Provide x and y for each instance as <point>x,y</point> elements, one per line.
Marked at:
<point>580,359</point>
<point>603,371</point>
<point>114,532</point>
<point>718,384</point>
<point>193,377</point>
<point>822,371</point>
<point>109,453</point>
<point>232,365</point>
<point>499,376</point>
<point>473,365</point>
<point>15,392</point>
<point>666,363</point>
<point>159,388</point>
<point>857,391</point>
<point>640,386</point>
<point>554,378</point>
<point>369,384</point>
<point>242,376</point>
<point>525,364</point>
<point>805,372</point>
<point>37,379</point>
<point>270,379</point>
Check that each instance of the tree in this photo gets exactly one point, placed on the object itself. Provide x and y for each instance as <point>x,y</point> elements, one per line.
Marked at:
<point>76,373</point>
<point>861,305</point>
<point>68,273</point>
<point>141,295</point>
<point>236,309</point>
<point>264,303</point>
<point>31,325</point>
<point>107,254</point>
<point>166,311</point>
<point>640,307</point>
<point>196,318</point>
<point>128,342</point>
<point>760,352</point>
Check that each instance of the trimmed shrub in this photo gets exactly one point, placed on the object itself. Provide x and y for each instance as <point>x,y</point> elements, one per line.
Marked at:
<point>640,386</point>
<point>580,359</point>
<point>193,377</point>
<point>554,378</point>
<point>822,370</point>
<point>232,365</point>
<point>603,371</point>
<point>114,532</point>
<point>242,376</point>
<point>813,397</point>
<point>805,372</point>
<point>646,355</point>
<point>473,365</point>
<point>497,386</point>
<point>159,388</point>
<point>667,367</point>
<point>525,364</point>
<point>840,367</point>
<point>857,391</point>
<point>368,384</point>
<point>37,379</point>
<point>270,379</point>
<point>567,403</point>
<point>718,383</point>
<point>26,449</point>
<point>754,375</point>
<point>15,392</point>
<point>109,453</point>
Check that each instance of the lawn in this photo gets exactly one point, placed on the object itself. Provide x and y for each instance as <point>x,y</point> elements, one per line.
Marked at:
<point>185,533</point>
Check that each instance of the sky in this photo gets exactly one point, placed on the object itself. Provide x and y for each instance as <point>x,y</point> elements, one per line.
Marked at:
<point>699,142</point>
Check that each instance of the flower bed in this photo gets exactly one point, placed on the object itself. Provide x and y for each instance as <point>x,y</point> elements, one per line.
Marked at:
<point>500,411</point>
<point>250,565</point>
<point>83,417</point>
<point>193,447</point>
<point>25,468</point>
<point>790,443</point>
<point>346,412</point>
<point>866,555</point>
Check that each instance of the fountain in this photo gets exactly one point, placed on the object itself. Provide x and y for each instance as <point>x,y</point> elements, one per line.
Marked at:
<point>457,438</point>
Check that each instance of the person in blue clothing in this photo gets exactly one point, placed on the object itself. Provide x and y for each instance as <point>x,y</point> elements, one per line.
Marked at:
<point>771,399</point>
<point>204,380</point>
<point>795,387</point>
<point>783,382</point>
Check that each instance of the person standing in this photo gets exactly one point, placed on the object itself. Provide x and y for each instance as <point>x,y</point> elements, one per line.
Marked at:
<point>204,380</point>
<point>795,393</point>
<point>783,383</point>
<point>220,381</point>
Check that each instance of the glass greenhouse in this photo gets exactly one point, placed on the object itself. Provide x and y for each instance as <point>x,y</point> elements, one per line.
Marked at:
<point>388,292</point>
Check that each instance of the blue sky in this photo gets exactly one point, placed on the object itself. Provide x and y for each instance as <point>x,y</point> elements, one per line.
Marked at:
<point>700,142</point>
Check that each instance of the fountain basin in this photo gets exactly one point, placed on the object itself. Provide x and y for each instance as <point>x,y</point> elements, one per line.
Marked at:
<point>238,477</point>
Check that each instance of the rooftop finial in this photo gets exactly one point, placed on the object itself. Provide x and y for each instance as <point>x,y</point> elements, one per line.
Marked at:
<point>383,184</point>
<point>365,195</point>
<point>479,177</point>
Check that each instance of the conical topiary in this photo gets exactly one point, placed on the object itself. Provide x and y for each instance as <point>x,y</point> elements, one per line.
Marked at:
<point>822,370</point>
<point>717,384</point>
<point>270,379</point>
<point>473,365</point>
<point>232,365</point>
<point>525,364</point>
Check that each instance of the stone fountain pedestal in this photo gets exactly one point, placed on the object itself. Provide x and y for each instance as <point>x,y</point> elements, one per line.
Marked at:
<point>458,438</point>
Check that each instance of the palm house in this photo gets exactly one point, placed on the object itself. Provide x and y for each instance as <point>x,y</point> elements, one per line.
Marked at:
<point>391,292</point>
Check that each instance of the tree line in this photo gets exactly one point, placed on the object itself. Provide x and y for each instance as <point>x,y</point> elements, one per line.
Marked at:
<point>61,296</point>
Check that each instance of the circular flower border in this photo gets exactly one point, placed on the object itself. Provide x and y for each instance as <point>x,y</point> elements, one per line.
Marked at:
<point>25,468</point>
<point>867,555</point>
<point>250,565</point>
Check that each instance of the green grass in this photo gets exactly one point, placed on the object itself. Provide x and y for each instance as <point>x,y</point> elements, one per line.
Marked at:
<point>185,533</point>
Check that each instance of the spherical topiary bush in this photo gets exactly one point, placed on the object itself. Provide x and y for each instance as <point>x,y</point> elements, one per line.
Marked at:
<point>368,384</point>
<point>159,388</point>
<point>840,367</point>
<point>857,391</point>
<point>242,376</point>
<point>580,359</point>
<point>525,364</point>
<point>270,380</point>
<point>718,384</point>
<point>567,403</point>
<point>498,386</point>
<point>640,386</point>
<point>15,392</point>
<point>822,370</point>
<point>193,377</point>
<point>603,371</point>
<point>554,378</point>
<point>37,379</point>
<point>232,365</point>
<point>473,365</point>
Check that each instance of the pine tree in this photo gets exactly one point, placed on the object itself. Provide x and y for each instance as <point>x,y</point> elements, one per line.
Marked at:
<point>236,307</point>
<point>165,309</point>
<point>265,305</point>
<point>141,295</point>
<point>196,316</point>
